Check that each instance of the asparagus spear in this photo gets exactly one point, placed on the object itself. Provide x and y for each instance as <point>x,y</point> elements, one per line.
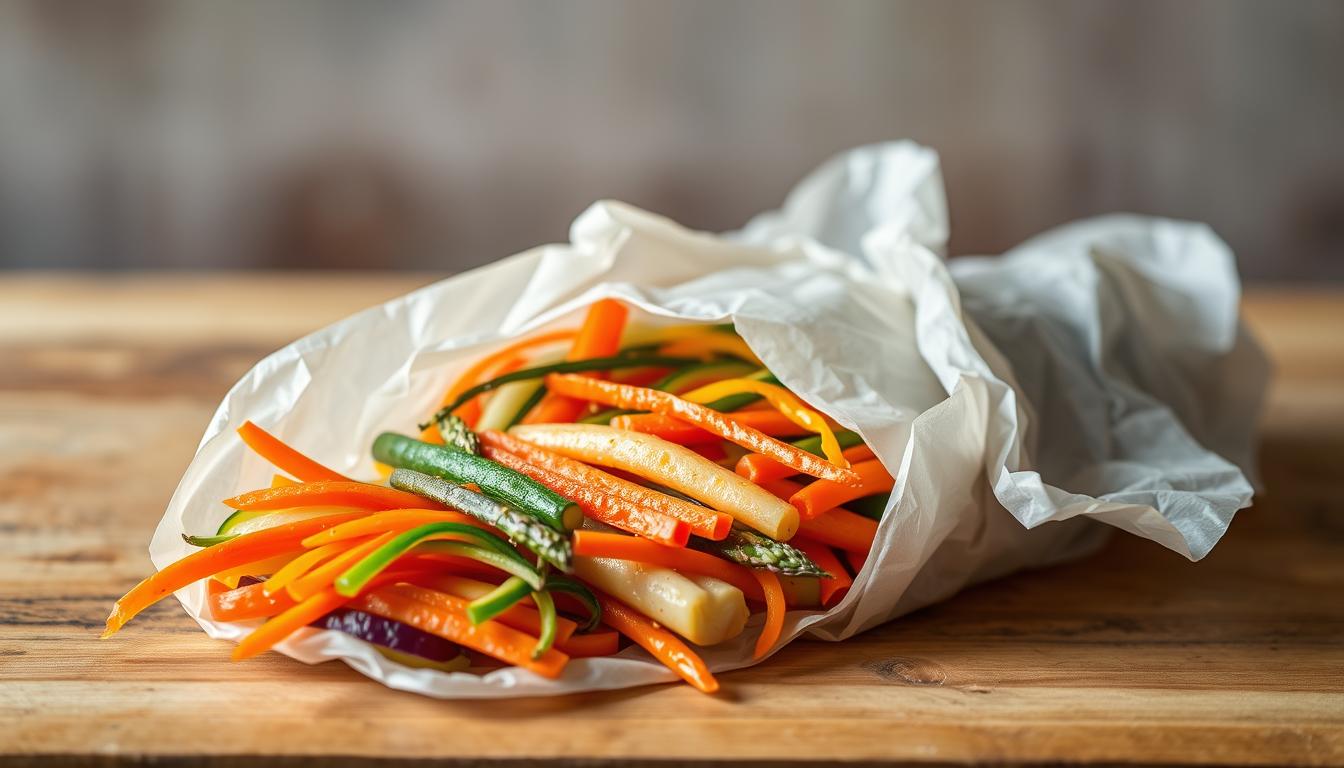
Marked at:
<point>456,434</point>
<point>548,544</point>
<point>747,547</point>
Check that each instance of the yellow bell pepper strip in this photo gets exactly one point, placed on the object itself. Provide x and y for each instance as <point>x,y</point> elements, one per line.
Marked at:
<point>660,643</point>
<point>822,496</point>
<point>781,400</point>
<point>446,616</point>
<point>774,611</point>
<point>202,564</point>
<point>323,493</point>
<point>600,336</point>
<point>285,458</point>
<point>708,345</point>
<point>642,398</point>
<point>669,465</point>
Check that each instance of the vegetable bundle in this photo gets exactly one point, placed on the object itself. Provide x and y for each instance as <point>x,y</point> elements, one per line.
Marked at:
<point>575,491</point>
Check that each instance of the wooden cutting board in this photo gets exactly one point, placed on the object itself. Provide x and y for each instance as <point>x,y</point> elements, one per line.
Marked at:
<point>1133,655</point>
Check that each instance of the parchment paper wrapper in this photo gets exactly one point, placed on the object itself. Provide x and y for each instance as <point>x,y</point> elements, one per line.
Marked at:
<point>1095,375</point>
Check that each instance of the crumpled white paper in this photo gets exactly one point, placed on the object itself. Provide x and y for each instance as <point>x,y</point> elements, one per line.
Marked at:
<point>1017,400</point>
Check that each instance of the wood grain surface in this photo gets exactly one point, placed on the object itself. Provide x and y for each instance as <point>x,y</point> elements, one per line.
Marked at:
<point>1131,656</point>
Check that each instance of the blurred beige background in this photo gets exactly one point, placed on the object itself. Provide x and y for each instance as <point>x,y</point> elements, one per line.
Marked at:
<point>412,134</point>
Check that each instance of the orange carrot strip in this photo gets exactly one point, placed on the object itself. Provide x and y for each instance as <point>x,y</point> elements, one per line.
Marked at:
<point>321,577</point>
<point>771,423</point>
<point>392,520</point>
<point>270,448</point>
<point>249,602</point>
<point>278,481</point>
<point>841,528</point>
<point>305,562</point>
<point>774,611</point>
<point>702,520</point>
<point>838,583</point>
<point>598,504</point>
<point>599,336</point>
<point>478,372</point>
<point>593,644</point>
<point>856,559</point>
<point>660,643</point>
<point>446,616</point>
<point>645,399</point>
<point>619,547</point>
<point>248,548</point>
<point>824,495</point>
<point>279,627</point>
<point>761,469</point>
<point>329,493</point>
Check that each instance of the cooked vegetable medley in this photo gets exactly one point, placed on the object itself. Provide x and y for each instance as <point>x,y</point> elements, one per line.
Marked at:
<point>575,488</point>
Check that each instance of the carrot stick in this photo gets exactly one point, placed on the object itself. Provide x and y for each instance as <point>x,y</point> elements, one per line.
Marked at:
<point>856,560</point>
<point>598,504</point>
<point>645,399</point>
<point>392,520</point>
<point>838,583</point>
<point>285,458</point>
<point>279,627</point>
<point>592,644</point>
<point>245,549</point>
<point>702,520</point>
<point>761,469</point>
<point>321,577</point>
<point>306,562</point>
<point>838,527</point>
<point>619,547</point>
<point>446,616</point>
<point>599,336</point>
<point>660,643</point>
<point>841,528</point>
<point>774,611</point>
<point>481,368</point>
<point>249,602</point>
<point>329,493</point>
<point>771,423</point>
<point>824,495</point>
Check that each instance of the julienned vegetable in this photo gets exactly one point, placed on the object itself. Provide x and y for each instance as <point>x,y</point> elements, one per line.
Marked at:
<point>466,548</point>
<point>495,481</point>
<point>701,520</point>
<point>538,537</point>
<point>626,396</point>
<point>667,464</point>
<point>613,363</point>
<point>701,609</point>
